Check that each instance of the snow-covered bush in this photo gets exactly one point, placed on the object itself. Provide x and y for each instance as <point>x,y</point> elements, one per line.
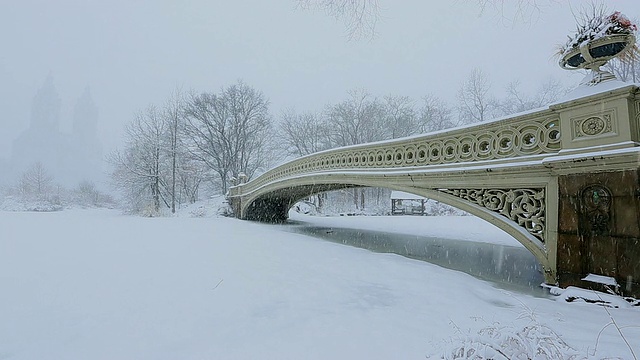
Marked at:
<point>436,208</point>
<point>305,207</point>
<point>213,206</point>
<point>198,211</point>
<point>224,209</point>
<point>149,210</point>
<point>17,203</point>
<point>87,195</point>
<point>16,199</point>
<point>529,341</point>
<point>23,196</point>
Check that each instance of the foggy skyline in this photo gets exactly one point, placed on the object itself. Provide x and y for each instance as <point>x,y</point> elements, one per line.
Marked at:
<point>132,54</point>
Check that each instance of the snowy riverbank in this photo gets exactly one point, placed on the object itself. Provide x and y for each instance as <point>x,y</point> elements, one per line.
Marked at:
<point>95,284</point>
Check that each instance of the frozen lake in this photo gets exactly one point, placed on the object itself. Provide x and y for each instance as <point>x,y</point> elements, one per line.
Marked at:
<point>508,267</point>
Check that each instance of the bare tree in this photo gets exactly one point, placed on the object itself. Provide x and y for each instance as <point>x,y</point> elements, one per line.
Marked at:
<point>251,128</point>
<point>516,101</point>
<point>360,16</point>
<point>514,11</point>
<point>87,194</point>
<point>399,116</point>
<point>35,190</point>
<point>155,169</point>
<point>173,113</point>
<point>303,133</point>
<point>356,120</point>
<point>35,181</point>
<point>435,115</point>
<point>139,170</point>
<point>208,133</point>
<point>474,100</point>
<point>191,175</point>
<point>229,132</point>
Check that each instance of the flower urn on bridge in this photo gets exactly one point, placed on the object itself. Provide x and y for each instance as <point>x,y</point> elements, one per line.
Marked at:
<point>599,39</point>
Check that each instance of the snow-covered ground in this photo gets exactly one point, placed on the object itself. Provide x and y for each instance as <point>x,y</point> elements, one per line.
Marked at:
<point>95,284</point>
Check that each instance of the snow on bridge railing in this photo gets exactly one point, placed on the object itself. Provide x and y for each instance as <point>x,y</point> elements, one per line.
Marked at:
<point>520,135</point>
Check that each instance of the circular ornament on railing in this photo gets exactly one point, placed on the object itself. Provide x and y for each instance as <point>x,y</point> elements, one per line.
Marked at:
<point>422,153</point>
<point>593,126</point>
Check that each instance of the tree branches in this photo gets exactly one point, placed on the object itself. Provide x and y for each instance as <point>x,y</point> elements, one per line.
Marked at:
<point>229,131</point>
<point>359,16</point>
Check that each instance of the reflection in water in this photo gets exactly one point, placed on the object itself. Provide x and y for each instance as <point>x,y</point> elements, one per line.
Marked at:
<point>508,267</point>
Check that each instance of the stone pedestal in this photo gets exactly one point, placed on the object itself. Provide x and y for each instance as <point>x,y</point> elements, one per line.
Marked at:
<point>599,229</point>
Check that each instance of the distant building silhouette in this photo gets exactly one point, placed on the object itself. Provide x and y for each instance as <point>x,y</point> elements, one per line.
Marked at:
<point>70,158</point>
<point>45,110</point>
<point>5,172</point>
<point>85,138</point>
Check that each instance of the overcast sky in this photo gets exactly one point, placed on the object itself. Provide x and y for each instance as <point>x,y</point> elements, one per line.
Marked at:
<point>132,53</point>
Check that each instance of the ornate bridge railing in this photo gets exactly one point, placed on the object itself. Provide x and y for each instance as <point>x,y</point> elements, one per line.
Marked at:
<point>516,137</point>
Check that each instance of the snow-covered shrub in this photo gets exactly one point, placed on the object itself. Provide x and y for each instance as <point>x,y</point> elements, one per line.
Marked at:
<point>16,200</point>
<point>198,211</point>
<point>85,194</point>
<point>436,208</point>
<point>531,341</point>
<point>223,207</point>
<point>149,210</point>
<point>524,339</point>
<point>305,207</point>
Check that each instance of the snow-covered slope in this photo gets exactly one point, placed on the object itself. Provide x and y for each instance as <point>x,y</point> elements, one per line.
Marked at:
<point>94,284</point>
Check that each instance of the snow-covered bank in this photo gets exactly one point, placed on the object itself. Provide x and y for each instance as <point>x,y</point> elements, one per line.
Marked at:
<point>94,284</point>
<point>468,228</point>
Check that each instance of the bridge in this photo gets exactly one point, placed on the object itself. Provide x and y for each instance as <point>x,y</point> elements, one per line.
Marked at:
<point>562,180</point>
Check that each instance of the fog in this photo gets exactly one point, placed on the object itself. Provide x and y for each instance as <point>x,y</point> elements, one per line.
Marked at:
<point>134,53</point>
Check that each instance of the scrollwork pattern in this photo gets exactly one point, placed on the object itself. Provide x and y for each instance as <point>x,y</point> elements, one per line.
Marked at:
<point>526,207</point>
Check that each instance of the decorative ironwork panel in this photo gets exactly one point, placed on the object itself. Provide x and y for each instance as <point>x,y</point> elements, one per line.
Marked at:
<point>525,207</point>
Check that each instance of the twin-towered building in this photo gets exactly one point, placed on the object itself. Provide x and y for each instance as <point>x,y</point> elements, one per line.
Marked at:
<point>69,157</point>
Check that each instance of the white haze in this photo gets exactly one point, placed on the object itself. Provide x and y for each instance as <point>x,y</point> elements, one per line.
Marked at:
<point>135,53</point>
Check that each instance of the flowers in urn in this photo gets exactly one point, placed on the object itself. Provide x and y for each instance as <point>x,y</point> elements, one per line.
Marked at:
<point>598,26</point>
<point>598,39</point>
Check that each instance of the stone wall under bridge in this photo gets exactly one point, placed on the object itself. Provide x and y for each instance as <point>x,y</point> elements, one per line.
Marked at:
<point>598,229</point>
<point>562,180</point>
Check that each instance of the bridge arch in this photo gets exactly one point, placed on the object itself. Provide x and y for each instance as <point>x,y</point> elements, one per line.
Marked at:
<point>273,201</point>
